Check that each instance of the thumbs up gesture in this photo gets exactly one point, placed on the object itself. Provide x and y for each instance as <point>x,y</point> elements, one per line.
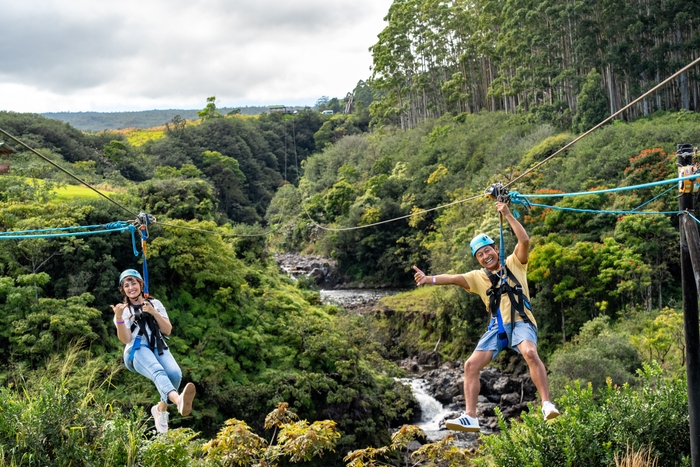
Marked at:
<point>420,277</point>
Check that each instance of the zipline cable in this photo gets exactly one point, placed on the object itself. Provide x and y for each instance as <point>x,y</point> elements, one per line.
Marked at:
<point>538,165</point>
<point>114,201</point>
<point>345,229</point>
<point>67,172</point>
<point>194,229</point>
<point>646,94</point>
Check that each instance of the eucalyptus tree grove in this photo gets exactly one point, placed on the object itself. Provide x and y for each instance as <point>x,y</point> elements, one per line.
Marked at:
<point>455,56</point>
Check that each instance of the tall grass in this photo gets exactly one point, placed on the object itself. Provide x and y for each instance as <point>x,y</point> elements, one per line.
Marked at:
<point>641,458</point>
<point>61,416</point>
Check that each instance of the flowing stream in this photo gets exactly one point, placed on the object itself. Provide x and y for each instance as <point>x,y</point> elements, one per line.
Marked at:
<point>349,297</point>
<point>432,411</point>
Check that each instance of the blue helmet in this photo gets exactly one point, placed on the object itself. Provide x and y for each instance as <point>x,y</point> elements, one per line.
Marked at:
<point>127,273</point>
<point>479,242</point>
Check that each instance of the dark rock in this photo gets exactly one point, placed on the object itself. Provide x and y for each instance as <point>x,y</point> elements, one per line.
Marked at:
<point>511,399</point>
<point>527,388</point>
<point>510,394</point>
<point>318,275</point>
<point>486,410</point>
<point>502,385</point>
<point>513,410</point>
<point>429,359</point>
<point>322,270</point>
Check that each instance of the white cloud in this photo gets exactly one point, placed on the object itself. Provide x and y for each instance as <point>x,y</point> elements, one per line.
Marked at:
<point>142,54</point>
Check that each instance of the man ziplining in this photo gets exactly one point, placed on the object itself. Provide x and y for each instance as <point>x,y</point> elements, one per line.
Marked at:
<point>503,289</point>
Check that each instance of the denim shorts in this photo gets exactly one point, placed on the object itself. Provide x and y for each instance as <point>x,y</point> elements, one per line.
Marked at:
<point>523,332</point>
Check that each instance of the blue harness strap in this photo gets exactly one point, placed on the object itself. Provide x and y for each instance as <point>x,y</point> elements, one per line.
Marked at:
<point>144,237</point>
<point>134,348</point>
<point>503,339</point>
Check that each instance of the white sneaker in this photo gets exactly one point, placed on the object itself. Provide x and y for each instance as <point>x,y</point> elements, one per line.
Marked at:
<point>463,423</point>
<point>549,411</point>
<point>184,406</point>
<point>161,419</point>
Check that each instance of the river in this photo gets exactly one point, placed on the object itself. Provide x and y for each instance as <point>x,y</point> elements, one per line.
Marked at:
<point>350,297</point>
<point>432,411</point>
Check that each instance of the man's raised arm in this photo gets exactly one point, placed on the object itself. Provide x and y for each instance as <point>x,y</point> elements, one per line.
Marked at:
<point>522,249</point>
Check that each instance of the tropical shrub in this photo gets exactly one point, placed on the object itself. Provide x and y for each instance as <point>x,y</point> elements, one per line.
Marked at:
<point>592,430</point>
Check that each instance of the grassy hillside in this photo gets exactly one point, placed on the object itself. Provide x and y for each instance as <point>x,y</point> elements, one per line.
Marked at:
<point>100,121</point>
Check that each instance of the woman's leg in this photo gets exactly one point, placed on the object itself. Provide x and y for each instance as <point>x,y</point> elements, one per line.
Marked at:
<point>146,364</point>
<point>172,369</point>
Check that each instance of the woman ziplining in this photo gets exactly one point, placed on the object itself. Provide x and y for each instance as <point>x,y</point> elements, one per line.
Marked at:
<point>141,323</point>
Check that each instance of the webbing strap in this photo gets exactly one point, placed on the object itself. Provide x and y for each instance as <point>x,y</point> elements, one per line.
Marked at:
<point>144,236</point>
<point>518,300</point>
<point>156,341</point>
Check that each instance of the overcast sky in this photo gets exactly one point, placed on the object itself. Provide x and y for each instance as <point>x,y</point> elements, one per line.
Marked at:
<point>80,55</point>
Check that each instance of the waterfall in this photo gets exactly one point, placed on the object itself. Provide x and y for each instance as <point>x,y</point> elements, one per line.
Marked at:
<point>432,411</point>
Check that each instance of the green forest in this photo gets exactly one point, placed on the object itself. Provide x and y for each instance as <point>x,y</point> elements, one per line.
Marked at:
<point>99,121</point>
<point>463,95</point>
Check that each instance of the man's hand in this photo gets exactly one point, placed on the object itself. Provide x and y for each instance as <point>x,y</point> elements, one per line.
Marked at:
<point>419,277</point>
<point>502,208</point>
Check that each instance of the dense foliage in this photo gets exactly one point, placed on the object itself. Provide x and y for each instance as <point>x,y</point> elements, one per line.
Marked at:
<point>64,415</point>
<point>100,121</point>
<point>459,56</point>
<point>593,431</point>
<point>605,287</point>
<point>248,336</point>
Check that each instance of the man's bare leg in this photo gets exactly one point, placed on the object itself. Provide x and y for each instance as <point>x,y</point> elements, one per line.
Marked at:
<point>538,373</point>
<point>472,367</point>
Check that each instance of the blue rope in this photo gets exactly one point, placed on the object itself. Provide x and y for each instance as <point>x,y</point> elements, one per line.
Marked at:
<point>603,211</point>
<point>144,236</point>
<point>696,219</point>
<point>501,245</point>
<point>119,226</point>
<point>133,240</point>
<point>654,198</point>
<point>112,225</point>
<point>609,190</point>
<point>67,234</point>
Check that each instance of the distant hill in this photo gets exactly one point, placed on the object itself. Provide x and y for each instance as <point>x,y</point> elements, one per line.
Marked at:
<point>98,121</point>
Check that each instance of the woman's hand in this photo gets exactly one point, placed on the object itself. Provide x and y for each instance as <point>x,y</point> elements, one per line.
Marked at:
<point>118,310</point>
<point>148,308</point>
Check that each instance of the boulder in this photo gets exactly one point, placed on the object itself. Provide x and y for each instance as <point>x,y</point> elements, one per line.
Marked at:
<point>321,269</point>
<point>510,394</point>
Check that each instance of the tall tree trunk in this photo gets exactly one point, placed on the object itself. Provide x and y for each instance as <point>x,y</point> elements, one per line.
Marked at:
<point>685,92</point>
<point>563,323</point>
<point>610,91</point>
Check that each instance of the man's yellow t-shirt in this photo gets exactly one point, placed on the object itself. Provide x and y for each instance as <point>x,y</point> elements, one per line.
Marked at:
<point>479,283</point>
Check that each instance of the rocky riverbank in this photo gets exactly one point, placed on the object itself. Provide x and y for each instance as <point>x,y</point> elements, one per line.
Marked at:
<point>445,383</point>
<point>322,270</point>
